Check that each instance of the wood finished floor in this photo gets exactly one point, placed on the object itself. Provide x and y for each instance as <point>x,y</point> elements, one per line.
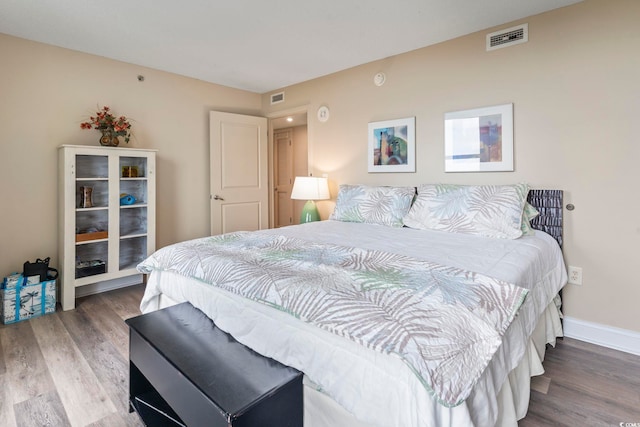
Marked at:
<point>71,369</point>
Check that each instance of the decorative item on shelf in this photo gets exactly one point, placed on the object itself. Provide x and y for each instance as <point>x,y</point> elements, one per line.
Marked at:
<point>127,199</point>
<point>90,268</point>
<point>310,188</point>
<point>91,233</point>
<point>108,139</point>
<point>129,171</point>
<point>111,127</point>
<point>86,197</point>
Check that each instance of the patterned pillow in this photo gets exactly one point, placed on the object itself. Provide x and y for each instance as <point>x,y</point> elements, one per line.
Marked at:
<point>374,205</point>
<point>528,213</point>
<point>485,210</point>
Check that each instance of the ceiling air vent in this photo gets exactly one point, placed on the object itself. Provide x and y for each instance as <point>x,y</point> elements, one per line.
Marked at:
<point>508,37</point>
<point>277,98</point>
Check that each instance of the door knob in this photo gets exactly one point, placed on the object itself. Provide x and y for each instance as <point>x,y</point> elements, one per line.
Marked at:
<point>216,197</point>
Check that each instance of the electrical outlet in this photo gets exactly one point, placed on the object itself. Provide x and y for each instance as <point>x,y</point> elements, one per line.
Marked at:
<point>575,275</point>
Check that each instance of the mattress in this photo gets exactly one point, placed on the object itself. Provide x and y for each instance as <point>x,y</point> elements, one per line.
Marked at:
<point>378,389</point>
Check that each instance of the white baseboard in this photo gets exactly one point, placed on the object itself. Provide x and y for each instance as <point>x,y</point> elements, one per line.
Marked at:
<point>108,285</point>
<point>606,336</point>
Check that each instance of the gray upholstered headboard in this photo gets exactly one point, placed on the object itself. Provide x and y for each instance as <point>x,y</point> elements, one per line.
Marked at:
<point>549,204</point>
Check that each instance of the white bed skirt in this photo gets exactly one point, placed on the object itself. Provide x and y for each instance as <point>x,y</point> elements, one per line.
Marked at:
<point>513,399</point>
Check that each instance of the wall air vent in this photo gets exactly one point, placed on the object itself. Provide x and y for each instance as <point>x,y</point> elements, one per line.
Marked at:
<point>508,37</point>
<point>277,98</point>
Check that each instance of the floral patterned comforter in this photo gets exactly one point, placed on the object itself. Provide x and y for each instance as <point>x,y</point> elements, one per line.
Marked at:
<point>444,322</point>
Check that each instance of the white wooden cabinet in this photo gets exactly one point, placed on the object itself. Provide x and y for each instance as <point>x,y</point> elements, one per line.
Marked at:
<point>101,237</point>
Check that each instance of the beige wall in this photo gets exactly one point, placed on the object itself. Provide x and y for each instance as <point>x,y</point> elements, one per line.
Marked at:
<point>574,85</point>
<point>575,89</point>
<point>45,92</point>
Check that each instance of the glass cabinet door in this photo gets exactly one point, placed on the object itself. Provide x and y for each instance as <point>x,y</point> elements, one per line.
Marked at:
<point>91,215</point>
<point>133,211</point>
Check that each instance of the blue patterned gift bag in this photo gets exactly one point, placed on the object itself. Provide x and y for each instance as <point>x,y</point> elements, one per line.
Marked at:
<point>22,300</point>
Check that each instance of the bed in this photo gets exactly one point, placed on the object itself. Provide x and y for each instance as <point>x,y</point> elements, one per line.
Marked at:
<point>484,283</point>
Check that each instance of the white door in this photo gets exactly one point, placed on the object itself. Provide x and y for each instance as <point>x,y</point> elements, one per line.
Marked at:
<point>283,177</point>
<point>238,171</point>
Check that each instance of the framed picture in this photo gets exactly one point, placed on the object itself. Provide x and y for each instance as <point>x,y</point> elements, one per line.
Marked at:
<point>479,140</point>
<point>392,146</point>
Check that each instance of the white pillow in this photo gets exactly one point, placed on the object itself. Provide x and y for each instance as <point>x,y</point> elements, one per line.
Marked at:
<point>484,210</point>
<point>373,205</point>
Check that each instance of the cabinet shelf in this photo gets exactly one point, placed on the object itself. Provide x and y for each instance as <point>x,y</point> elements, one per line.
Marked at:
<point>133,236</point>
<point>95,208</point>
<point>86,242</point>
<point>133,206</point>
<point>112,237</point>
<point>91,237</point>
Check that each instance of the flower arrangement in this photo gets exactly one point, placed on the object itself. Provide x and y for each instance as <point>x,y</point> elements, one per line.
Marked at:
<point>104,120</point>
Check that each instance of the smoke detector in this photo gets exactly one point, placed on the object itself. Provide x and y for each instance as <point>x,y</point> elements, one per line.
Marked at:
<point>508,37</point>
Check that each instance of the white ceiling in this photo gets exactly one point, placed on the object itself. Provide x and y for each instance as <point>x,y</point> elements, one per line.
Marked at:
<point>256,45</point>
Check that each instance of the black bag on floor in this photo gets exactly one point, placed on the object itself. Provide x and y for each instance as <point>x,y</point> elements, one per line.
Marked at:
<point>40,268</point>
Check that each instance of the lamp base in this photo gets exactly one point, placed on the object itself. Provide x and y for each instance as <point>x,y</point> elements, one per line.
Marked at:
<point>309,213</point>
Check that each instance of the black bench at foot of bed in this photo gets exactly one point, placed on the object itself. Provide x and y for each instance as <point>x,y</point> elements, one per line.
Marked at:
<point>185,371</point>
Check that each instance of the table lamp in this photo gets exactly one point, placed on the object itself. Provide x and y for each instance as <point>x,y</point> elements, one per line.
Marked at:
<point>310,188</point>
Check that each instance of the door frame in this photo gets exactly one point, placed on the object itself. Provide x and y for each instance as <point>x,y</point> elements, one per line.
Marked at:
<point>276,115</point>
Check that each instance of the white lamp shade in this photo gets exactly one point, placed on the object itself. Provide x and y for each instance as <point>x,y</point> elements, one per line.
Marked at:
<point>310,188</point>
